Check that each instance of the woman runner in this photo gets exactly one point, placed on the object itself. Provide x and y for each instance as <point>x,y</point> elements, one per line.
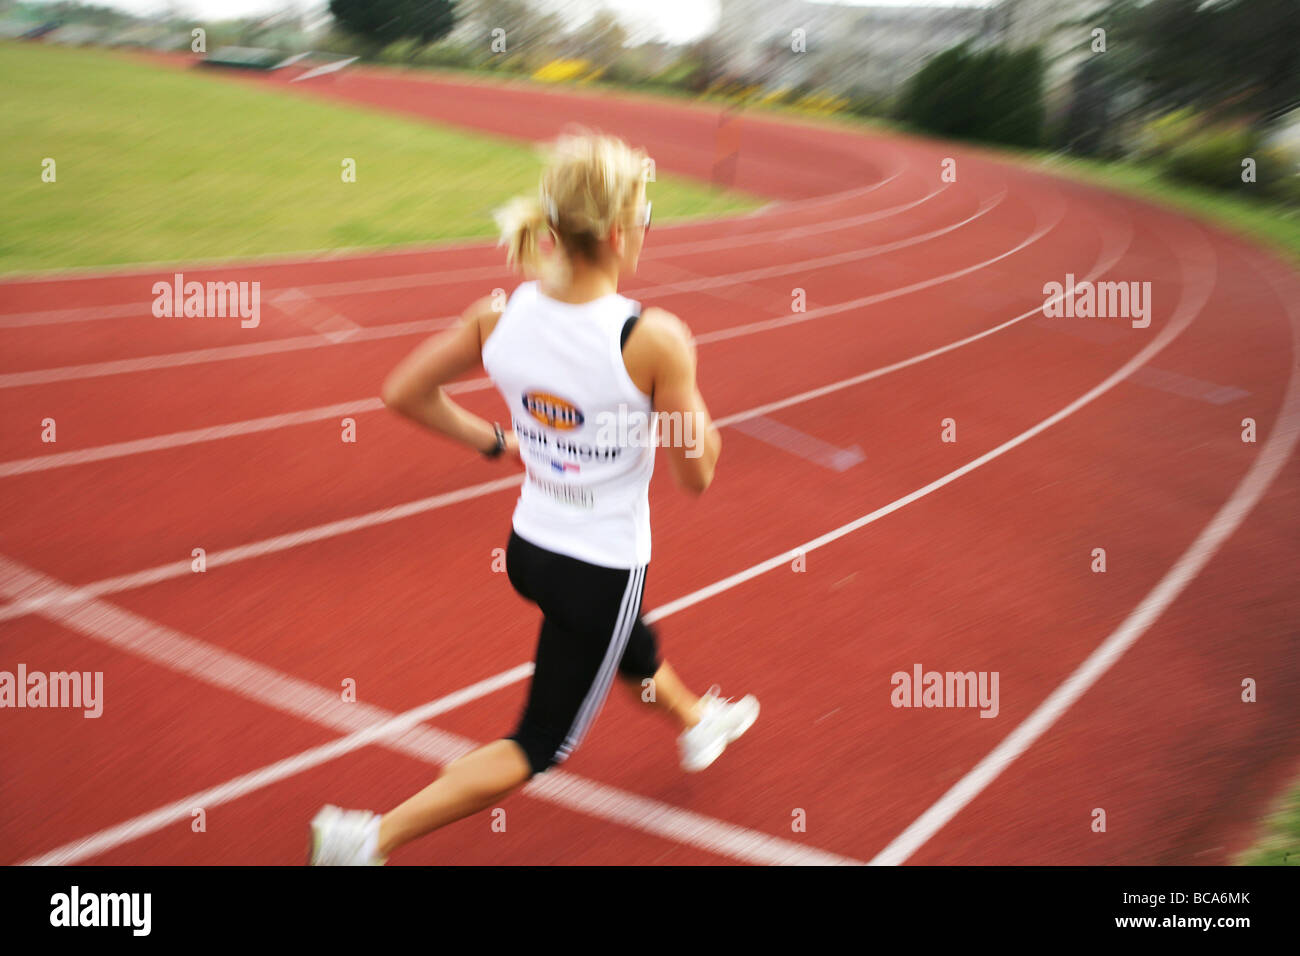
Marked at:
<point>583,371</point>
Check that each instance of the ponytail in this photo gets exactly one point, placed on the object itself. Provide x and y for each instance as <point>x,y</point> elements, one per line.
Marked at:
<point>522,222</point>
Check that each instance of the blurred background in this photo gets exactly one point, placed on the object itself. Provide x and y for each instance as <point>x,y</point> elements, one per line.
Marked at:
<point>1189,86</point>
<point>1195,102</point>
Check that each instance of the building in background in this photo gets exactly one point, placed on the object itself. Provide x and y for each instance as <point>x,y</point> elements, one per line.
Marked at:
<point>1062,29</point>
<point>875,49</point>
<point>870,50</point>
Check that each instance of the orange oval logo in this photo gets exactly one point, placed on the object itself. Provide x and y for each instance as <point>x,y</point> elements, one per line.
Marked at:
<point>553,411</point>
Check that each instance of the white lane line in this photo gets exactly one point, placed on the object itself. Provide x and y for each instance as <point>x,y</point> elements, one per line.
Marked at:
<point>43,601</point>
<point>366,724</point>
<point>867,300</point>
<point>1175,383</point>
<point>784,235</point>
<point>40,602</point>
<point>332,329</point>
<point>451,276</point>
<point>817,262</point>
<point>193,436</point>
<point>1189,306</point>
<point>290,61</point>
<point>1187,386</point>
<point>21,466</point>
<point>32,603</point>
<point>324,69</point>
<point>1281,443</point>
<point>333,325</point>
<point>801,444</point>
<point>80,313</point>
<point>217,353</point>
<point>387,731</point>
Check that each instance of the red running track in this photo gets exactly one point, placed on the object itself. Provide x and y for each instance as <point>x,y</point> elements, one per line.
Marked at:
<point>373,562</point>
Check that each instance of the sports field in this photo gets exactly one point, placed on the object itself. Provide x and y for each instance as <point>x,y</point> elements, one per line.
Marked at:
<point>156,164</point>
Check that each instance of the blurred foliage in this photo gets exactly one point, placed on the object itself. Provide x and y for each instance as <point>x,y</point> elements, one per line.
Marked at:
<point>1279,844</point>
<point>1213,156</point>
<point>868,103</point>
<point>1192,88</point>
<point>1187,86</point>
<point>1195,148</point>
<point>65,11</point>
<point>1159,137</point>
<point>1240,57</point>
<point>379,23</point>
<point>993,95</point>
<point>1191,64</point>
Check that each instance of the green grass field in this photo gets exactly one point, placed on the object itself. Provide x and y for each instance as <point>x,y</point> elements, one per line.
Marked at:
<point>161,165</point>
<point>1279,842</point>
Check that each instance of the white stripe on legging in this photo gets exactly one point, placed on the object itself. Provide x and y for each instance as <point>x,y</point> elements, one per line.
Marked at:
<point>599,690</point>
<point>595,699</point>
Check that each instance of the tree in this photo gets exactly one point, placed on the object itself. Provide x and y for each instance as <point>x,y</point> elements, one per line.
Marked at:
<point>381,22</point>
<point>1233,56</point>
<point>994,95</point>
<point>1087,122</point>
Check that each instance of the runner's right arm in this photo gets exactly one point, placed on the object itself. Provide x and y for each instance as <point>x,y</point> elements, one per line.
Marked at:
<point>693,441</point>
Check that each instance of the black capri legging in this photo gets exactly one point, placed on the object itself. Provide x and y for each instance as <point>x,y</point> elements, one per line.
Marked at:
<point>591,628</point>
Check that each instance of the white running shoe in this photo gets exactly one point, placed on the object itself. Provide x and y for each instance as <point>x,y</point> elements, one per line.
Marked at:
<point>721,722</point>
<point>345,838</point>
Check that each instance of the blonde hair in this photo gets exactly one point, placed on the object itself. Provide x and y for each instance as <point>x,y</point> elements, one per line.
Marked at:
<point>590,182</point>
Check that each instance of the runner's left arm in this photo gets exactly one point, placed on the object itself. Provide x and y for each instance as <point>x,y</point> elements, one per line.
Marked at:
<point>416,390</point>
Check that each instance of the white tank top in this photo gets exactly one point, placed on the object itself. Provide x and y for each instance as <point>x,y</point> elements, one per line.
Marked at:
<point>586,432</point>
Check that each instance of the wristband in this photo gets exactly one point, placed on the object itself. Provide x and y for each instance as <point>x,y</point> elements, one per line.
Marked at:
<point>496,450</point>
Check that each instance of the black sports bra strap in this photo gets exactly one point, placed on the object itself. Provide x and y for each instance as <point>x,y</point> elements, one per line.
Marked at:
<point>628,325</point>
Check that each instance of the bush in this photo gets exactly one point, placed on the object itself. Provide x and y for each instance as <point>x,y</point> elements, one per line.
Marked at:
<point>995,95</point>
<point>400,51</point>
<point>1160,136</point>
<point>867,103</point>
<point>685,74</point>
<point>624,73</point>
<point>1286,189</point>
<point>824,102</point>
<point>1277,173</point>
<point>781,96</point>
<point>1213,157</point>
<point>454,56</point>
